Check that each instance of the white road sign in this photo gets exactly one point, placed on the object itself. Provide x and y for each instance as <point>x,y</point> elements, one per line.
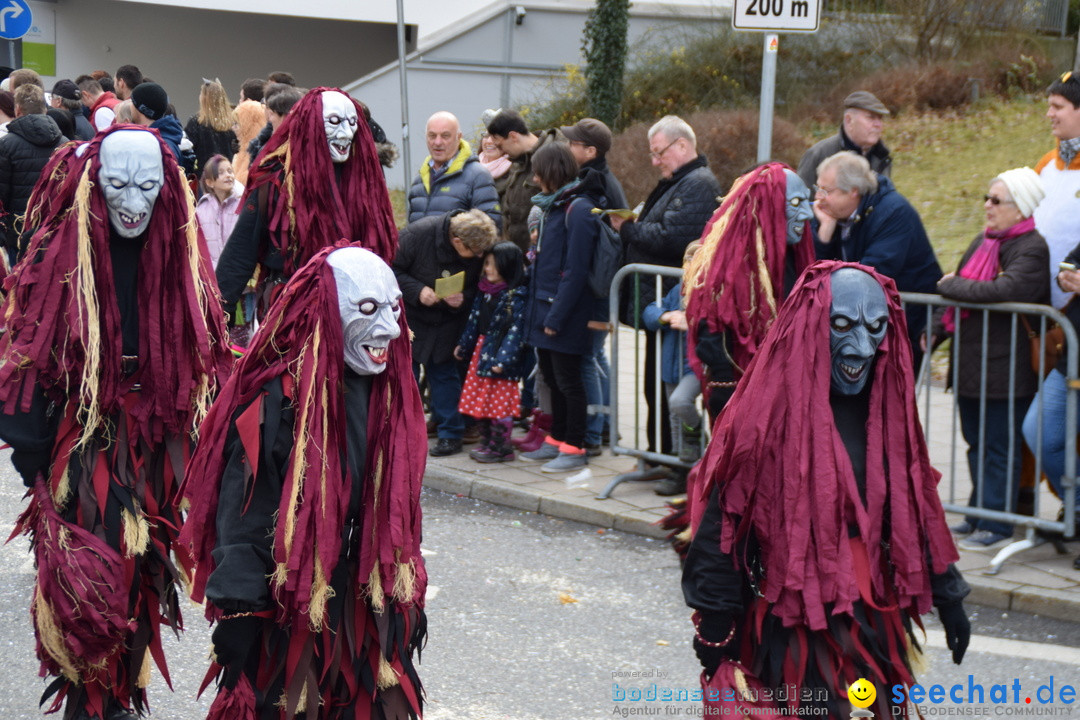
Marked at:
<point>776,15</point>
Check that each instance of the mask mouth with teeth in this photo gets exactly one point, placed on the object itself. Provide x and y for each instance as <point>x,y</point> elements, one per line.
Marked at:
<point>370,304</point>
<point>340,120</point>
<point>131,177</point>
<point>858,319</point>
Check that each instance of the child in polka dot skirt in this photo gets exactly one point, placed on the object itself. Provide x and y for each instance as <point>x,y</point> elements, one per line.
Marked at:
<point>494,336</point>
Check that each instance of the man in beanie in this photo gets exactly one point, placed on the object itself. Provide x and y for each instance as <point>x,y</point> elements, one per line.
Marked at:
<point>860,217</point>
<point>860,132</point>
<point>151,105</point>
<point>65,96</point>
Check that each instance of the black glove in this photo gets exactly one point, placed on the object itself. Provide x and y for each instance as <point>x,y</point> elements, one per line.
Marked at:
<point>31,464</point>
<point>957,628</point>
<point>234,638</point>
<point>716,629</point>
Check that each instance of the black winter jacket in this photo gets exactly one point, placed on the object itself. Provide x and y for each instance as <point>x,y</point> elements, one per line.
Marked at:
<point>424,254</point>
<point>674,216</point>
<point>208,142</point>
<point>24,151</point>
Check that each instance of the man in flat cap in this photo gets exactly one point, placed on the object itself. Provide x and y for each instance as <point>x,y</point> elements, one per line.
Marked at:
<point>860,132</point>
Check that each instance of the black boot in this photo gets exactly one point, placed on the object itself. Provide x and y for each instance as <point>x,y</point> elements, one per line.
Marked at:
<point>483,450</point>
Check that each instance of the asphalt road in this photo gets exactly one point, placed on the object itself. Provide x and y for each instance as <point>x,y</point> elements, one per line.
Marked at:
<point>536,618</point>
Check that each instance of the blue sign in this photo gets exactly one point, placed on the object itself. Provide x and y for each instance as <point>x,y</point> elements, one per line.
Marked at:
<point>15,19</point>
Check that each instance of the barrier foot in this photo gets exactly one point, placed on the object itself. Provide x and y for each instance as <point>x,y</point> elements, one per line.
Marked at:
<point>653,473</point>
<point>1012,549</point>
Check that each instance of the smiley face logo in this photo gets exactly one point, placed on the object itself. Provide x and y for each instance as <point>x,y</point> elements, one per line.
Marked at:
<point>862,693</point>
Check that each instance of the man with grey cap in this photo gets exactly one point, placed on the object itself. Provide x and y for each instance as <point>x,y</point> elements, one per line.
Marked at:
<point>65,96</point>
<point>590,140</point>
<point>859,132</point>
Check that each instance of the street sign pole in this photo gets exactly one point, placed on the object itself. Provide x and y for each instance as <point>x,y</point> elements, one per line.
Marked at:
<point>772,17</point>
<point>768,98</point>
<point>402,73</point>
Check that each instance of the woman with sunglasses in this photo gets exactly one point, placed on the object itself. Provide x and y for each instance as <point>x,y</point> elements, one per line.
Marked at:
<point>1005,263</point>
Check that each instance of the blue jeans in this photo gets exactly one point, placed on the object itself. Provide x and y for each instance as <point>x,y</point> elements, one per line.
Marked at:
<point>1052,447</point>
<point>595,372</point>
<point>998,475</point>
<point>444,381</point>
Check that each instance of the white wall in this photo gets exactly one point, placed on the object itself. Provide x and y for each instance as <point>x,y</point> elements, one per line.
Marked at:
<point>177,47</point>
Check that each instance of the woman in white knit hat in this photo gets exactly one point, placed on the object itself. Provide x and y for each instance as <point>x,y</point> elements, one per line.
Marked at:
<point>1005,263</point>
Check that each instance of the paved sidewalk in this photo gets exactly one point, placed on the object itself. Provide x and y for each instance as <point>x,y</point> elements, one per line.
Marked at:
<point>1038,580</point>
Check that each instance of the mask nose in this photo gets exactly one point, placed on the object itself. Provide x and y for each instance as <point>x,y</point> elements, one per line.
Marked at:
<point>863,343</point>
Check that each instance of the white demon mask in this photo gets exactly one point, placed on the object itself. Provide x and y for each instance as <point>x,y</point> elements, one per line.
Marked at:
<point>370,303</point>
<point>339,118</point>
<point>131,177</point>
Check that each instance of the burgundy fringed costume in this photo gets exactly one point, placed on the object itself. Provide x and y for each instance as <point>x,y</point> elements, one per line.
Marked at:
<point>112,351</point>
<point>817,524</point>
<point>304,510</point>
<point>734,287</point>
<point>298,201</point>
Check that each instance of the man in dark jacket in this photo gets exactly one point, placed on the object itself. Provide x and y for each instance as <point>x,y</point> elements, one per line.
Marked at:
<point>65,96</point>
<point>590,140</point>
<point>430,249</point>
<point>32,136</point>
<point>672,217</point>
<point>860,132</point>
<point>151,105</point>
<point>511,135</point>
<point>451,177</point>
<point>860,217</point>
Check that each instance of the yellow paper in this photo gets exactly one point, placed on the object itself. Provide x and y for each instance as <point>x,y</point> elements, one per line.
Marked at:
<point>447,286</point>
<point>617,212</point>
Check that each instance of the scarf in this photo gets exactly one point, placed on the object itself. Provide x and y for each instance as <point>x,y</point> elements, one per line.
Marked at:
<point>486,286</point>
<point>785,479</point>
<point>984,263</point>
<point>1067,149</point>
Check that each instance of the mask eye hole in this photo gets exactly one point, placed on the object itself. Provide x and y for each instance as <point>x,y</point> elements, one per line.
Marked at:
<point>876,326</point>
<point>118,184</point>
<point>840,323</point>
<point>368,307</point>
<point>147,186</point>
<point>796,202</point>
<point>334,119</point>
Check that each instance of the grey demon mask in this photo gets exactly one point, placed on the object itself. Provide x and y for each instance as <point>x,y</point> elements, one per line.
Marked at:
<point>370,304</point>
<point>130,178</point>
<point>858,318</point>
<point>339,119</point>
<point>796,207</point>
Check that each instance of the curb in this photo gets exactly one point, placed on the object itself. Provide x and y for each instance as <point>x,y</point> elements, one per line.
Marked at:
<point>609,513</point>
<point>988,591</point>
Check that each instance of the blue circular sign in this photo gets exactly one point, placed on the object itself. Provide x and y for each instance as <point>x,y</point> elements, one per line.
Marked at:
<point>15,19</point>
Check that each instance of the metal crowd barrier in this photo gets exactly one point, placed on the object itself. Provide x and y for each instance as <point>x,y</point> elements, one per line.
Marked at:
<point>651,465</point>
<point>1038,530</point>
<point>934,404</point>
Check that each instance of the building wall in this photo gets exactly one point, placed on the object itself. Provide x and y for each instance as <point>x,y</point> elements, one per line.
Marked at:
<point>177,47</point>
<point>466,73</point>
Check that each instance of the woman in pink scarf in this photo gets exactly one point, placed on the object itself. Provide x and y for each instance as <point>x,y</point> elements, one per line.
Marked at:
<point>1006,263</point>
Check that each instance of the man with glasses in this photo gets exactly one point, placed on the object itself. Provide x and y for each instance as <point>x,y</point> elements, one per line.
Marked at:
<point>860,217</point>
<point>860,132</point>
<point>673,215</point>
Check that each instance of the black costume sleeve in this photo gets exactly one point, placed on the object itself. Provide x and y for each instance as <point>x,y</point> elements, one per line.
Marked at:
<point>710,581</point>
<point>949,587</point>
<point>31,435</point>
<point>714,351</point>
<point>246,510</point>
<point>241,253</point>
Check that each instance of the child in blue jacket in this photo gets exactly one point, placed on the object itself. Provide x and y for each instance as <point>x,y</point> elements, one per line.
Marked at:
<point>494,336</point>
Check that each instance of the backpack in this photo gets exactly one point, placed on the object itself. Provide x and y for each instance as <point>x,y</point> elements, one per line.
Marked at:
<point>606,259</point>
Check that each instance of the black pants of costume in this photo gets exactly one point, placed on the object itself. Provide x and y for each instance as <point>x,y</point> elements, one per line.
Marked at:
<point>569,406</point>
<point>652,349</point>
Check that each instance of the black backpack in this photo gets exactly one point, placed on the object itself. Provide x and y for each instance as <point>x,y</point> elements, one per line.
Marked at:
<point>606,259</point>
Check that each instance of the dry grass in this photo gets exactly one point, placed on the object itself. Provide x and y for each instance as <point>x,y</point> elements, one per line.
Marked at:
<point>943,163</point>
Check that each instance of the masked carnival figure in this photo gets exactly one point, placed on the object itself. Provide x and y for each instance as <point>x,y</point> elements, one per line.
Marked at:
<point>114,345</point>
<point>304,520</point>
<point>316,180</point>
<point>753,249</point>
<point>820,538</point>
